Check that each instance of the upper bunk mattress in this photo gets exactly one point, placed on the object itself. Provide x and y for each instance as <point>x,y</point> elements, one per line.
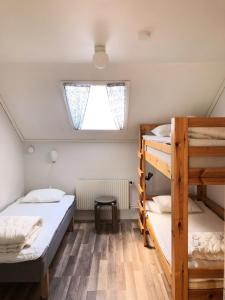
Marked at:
<point>192,142</point>
<point>193,161</point>
<point>52,215</point>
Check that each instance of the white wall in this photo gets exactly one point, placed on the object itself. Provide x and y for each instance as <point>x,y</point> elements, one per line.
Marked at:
<point>217,193</point>
<point>219,109</point>
<point>87,161</point>
<point>80,160</point>
<point>11,162</point>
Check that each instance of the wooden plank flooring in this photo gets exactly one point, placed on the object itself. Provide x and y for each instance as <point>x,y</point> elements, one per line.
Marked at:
<point>103,267</point>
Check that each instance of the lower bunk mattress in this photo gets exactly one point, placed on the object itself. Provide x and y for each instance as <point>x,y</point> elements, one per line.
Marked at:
<point>207,221</point>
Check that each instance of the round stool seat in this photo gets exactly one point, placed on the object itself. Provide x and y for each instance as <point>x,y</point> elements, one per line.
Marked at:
<point>105,200</point>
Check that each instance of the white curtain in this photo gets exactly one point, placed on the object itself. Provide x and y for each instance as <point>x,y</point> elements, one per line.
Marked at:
<point>116,96</point>
<point>77,98</point>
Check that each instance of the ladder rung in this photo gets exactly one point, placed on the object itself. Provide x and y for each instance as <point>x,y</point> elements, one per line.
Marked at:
<point>140,189</point>
<point>140,172</point>
<point>140,154</point>
<point>141,209</point>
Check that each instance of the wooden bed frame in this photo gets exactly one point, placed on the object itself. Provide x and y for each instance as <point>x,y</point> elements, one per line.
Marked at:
<point>181,177</point>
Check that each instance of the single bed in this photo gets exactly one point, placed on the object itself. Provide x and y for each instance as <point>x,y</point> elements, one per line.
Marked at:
<point>32,264</point>
<point>207,221</point>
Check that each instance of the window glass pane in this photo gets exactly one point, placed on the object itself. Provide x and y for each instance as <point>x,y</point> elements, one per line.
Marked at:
<point>96,106</point>
<point>77,99</point>
<point>98,115</point>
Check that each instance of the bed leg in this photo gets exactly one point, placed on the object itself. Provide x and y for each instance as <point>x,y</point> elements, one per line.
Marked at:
<point>145,234</point>
<point>145,240</point>
<point>45,286</point>
<point>71,225</point>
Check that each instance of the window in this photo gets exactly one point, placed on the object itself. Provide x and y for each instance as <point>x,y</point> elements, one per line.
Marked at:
<point>98,105</point>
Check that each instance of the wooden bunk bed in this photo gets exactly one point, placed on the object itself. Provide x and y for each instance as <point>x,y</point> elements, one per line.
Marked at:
<point>179,272</point>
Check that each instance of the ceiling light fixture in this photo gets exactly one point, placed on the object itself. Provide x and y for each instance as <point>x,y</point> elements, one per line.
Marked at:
<point>100,58</point>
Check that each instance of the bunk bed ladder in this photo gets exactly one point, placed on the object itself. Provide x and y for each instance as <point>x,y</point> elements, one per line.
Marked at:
<point>141,185</point>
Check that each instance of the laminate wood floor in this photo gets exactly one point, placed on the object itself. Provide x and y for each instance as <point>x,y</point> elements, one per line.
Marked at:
<point>105,266</point>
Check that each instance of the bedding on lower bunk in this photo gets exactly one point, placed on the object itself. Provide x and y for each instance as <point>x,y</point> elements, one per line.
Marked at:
<point>193,161</point>
<point>205,222</point>
<point>51,215</point>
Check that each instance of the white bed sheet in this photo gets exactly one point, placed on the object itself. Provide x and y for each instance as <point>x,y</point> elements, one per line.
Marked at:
<point>192,142</point>
<point>51,214</point>
<point>159,139</point>
<point>207,221</point>
<point>194,162</point>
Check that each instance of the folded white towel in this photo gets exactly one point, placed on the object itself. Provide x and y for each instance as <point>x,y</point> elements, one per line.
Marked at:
<point>17,232</point>
<point>211,132</point>
<point>17,247</point>
<point>207,245</point>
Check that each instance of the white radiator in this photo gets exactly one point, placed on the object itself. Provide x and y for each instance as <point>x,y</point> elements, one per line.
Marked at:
<point>88,190</point>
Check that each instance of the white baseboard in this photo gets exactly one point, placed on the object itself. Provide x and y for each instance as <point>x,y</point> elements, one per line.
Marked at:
<point>88,215</point>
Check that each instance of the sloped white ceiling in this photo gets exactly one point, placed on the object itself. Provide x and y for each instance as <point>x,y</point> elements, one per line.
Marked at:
<point>33,94</point>
<point>177,72</point>
<point>66,31</point>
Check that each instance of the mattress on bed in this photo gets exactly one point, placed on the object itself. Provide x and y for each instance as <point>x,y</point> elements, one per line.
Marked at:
<point>194,162</point>
<point>192,142</point>
<point>207,221</point>
<point>206,162</point>
<point>52,215</point>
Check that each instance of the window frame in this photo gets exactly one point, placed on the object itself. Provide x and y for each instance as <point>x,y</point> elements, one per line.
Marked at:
<point>97,82</point>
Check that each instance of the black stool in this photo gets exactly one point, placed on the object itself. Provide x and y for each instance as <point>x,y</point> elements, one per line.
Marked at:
<point>105,201</point>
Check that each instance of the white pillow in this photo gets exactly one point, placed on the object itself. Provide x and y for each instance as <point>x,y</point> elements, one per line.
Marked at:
<point>153,207</point>
<point>164,204</point>
<point>162,130</point>
<point>44,195</point>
